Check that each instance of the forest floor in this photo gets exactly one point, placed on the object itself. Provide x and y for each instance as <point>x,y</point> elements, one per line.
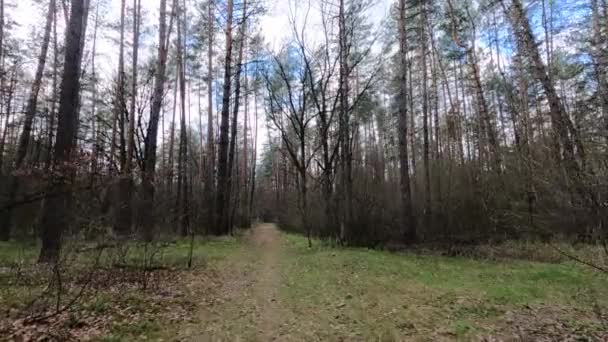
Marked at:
<point>276,288</point>
<point>267,285</point>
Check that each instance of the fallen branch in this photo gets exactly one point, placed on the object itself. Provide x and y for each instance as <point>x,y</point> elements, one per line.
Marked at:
<point>579,260</point>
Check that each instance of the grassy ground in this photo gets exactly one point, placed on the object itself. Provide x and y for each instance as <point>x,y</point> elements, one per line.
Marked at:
<point>268,285</point>
<point>118,303</point>
<point>372,295</point>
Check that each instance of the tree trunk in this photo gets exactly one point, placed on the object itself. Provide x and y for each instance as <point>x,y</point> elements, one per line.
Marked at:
<point>119,105</point>
<point>149,165</point>
<point>409,222</point>
<point>95,122</point>
<point>210,172</point>
<point>182,197</point>
<point>56,208</point>
<point>124,211</point>
<point>221,219</point>
<point>235,114</point>
<point>253,155</point>
<point>559,118</point>
<point>600,59</point>
<point>425,118</point>
<point>52,114</point>
<point>9,105</point>
<point>344,127</point>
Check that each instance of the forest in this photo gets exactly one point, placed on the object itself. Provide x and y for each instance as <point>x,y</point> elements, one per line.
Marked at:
<point>254,169</point>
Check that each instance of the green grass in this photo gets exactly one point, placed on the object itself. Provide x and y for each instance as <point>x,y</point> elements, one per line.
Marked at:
<point>372,292</point>
<point>352,294</point>
<point>171,254</point>
<point>146,308</point>
<point>14,252</point>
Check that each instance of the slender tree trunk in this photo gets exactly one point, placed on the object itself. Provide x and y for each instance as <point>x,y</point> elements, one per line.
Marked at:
<point>245,169</point>
<point>235,114</point>
<point>559,118</point>
<point>95,122</point>
<point>487,124</point>
<point>124,211</point>
<point>149,166</point>
<point>182,197</point>
<point>221,219</point>
<point>412,129</point>
<point>600,57</point>
<point>170,171</point>
<point>344,127</point>
<point>425,118</point>
<point>119,105</point>
<point>210,172</point>
<point>52,114</point>
<point>134,86</point>
<point>409,222</point>
<point>56,208</point>
<point>5,215</point>
<point>9,105</point>
<point>253,155</point>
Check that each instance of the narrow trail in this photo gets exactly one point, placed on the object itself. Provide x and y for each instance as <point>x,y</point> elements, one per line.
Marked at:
<point>266,239</point>
<point>246,306</point>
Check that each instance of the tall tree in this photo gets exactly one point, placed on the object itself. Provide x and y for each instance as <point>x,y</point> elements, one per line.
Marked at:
<point>223,173</point>
<point>119,104</point>
<point>56,208</point>
<point>409,221</point>
<point>182,180</point>
<point>210,171</point>
<point>425,113</point>
<point>346,163</point>
<point>559,118</point>
<point>235,114</point>
<point>149,163</point>
<point>124,211</point>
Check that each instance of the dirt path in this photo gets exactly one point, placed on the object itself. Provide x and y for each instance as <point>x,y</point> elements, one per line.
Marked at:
<point>265,238</point>
<point>245,307</point>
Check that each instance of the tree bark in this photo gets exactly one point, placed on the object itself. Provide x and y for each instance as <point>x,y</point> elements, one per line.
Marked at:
<point>210,172</point>
<point>149,165</point>
<point>425,118</point>
<point>222,212</point>
<point>409,222</point>
<point>344,127</point>
<point>56,210</point>
<point>235,114</point>
<point>119,105</point>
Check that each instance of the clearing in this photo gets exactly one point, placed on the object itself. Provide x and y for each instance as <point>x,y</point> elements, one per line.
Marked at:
<point>266,285</point>
<point>275,288</point>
